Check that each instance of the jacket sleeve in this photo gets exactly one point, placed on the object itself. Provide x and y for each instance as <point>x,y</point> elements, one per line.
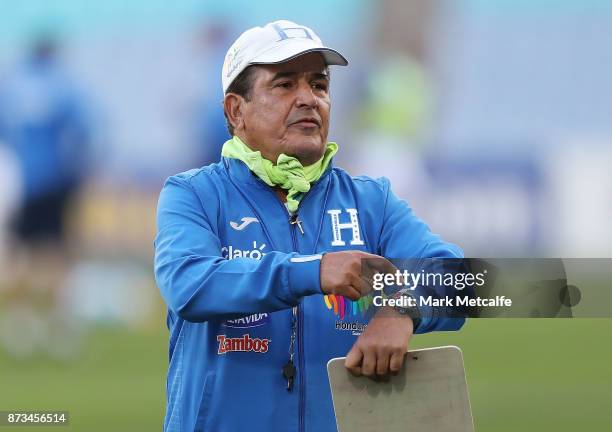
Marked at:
<point>198,284</point>
<point>405,236</point>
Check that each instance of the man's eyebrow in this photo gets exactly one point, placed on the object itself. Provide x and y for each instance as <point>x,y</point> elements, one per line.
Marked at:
<point>321,75</point>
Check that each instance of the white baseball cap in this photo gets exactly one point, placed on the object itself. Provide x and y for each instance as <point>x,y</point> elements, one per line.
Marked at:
<point>276,42</point>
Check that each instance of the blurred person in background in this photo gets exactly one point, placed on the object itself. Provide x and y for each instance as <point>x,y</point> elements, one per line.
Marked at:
<point>252,251</point>
<point>395,118</point>
<point>208,122</point>
<point>43,124</point>
<point>396,113</point>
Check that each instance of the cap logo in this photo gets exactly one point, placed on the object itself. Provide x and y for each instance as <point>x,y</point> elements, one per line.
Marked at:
<point>291,32</point>
<point>232,61</point>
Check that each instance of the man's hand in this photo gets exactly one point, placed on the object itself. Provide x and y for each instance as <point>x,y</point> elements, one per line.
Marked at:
<point>342,273</point>
<point>381,347</point>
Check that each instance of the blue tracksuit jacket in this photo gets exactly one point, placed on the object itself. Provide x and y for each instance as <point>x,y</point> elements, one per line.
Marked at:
<point>231,266</point>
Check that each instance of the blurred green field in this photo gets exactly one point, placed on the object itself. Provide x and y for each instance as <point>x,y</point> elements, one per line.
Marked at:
<point>523,375</point>
<point>536,374</point>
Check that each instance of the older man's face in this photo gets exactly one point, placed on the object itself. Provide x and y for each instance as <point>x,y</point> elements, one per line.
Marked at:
<point>289,109</point>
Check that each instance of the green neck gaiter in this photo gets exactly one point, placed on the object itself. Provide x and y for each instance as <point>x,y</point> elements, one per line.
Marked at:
<point>288,173</point>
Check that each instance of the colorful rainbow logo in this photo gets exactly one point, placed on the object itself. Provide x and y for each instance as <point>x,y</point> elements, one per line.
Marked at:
<point>344,307</point>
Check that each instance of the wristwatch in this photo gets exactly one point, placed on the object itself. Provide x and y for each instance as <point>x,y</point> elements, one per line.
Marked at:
<point>411,311</point>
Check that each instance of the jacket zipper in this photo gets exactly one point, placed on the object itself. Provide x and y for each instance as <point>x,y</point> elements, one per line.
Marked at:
<point>302,371</point>
<point>294,221</point>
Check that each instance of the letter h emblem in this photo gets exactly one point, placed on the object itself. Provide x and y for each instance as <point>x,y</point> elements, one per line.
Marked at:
<point>337,227</point>
<point>291,32</point>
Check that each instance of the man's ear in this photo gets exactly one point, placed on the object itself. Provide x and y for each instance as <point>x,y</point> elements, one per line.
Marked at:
<point>233,106</point>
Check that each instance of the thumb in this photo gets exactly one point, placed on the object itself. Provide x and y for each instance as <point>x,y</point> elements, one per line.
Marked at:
<point>353,361</point>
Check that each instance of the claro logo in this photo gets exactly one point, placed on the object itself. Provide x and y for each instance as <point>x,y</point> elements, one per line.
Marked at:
<point>245,343</point>
<point>231,252</point>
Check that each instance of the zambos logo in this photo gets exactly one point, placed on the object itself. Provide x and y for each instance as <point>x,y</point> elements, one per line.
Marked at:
<point>245,343</point>
<point>344,307</point>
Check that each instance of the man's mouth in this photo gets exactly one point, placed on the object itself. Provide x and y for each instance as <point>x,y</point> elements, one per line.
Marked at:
<point>307,122</point>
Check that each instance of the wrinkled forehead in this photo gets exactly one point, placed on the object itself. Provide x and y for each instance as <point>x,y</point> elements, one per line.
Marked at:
<point>306,64</point>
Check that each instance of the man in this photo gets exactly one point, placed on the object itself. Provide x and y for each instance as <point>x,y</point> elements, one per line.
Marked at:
<point>258,257</point>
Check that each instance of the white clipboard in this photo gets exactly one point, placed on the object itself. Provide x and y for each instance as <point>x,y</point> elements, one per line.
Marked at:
<point>429,395</point>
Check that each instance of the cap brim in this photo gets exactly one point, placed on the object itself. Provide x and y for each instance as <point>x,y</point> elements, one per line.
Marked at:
<point>284,54</point>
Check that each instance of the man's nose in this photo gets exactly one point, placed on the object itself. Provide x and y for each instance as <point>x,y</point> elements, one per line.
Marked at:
<point>305,95</point>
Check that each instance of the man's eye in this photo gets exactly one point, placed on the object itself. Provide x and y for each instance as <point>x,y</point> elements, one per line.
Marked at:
<point>319,86</point>
<point>284,84</point>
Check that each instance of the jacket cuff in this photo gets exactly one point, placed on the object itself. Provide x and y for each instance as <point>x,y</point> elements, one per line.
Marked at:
<point>304,275</point>
<point>427,312</point>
